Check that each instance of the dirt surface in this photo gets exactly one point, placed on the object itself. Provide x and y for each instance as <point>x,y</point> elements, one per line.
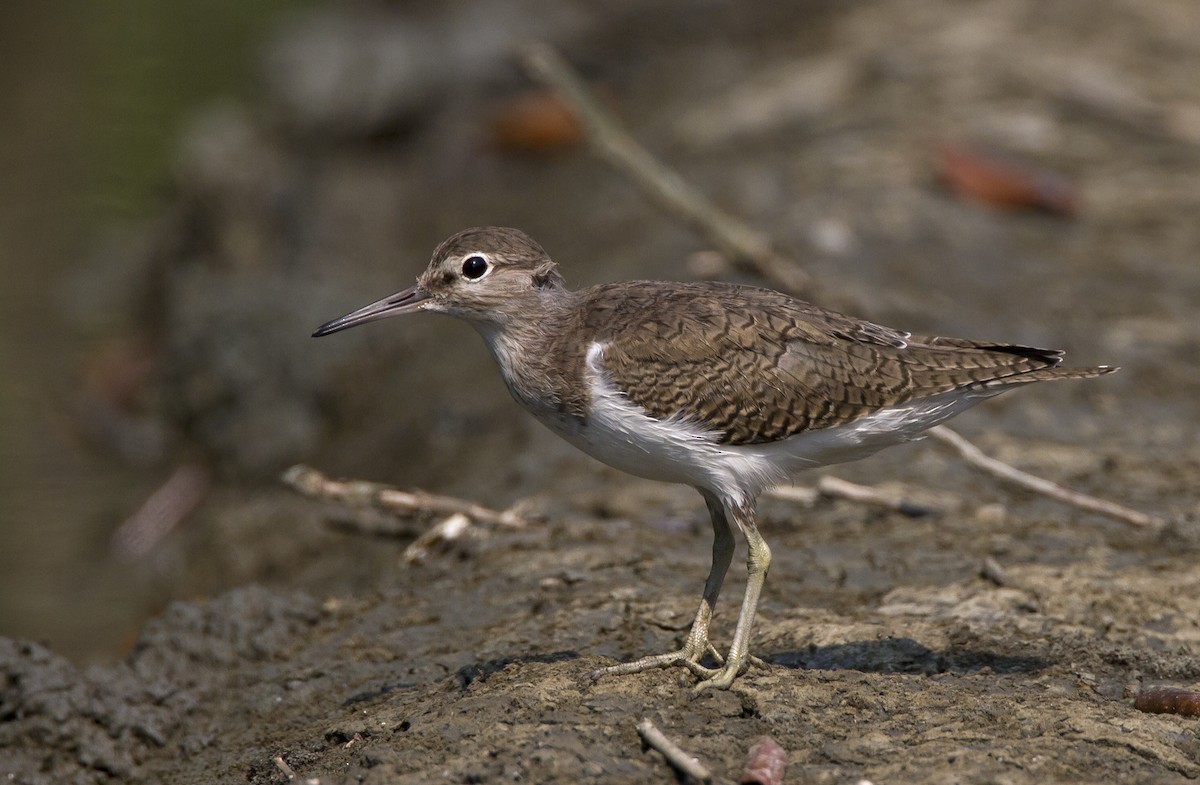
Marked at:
<point>889,655</point>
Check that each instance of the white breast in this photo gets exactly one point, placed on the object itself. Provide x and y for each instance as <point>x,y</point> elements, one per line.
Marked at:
<point>622,435</point>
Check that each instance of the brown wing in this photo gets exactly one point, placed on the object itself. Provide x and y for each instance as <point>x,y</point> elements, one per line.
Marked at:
<point>757,366</point>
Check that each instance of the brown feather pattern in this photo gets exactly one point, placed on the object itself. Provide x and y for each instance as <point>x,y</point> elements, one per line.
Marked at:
<point>755,365</point>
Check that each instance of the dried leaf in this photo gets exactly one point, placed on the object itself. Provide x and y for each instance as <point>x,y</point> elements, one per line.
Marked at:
<point>536,122</point>
<point>1004,183</point>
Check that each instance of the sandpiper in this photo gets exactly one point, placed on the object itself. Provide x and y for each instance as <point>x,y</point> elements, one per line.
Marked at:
<point>726,388</point>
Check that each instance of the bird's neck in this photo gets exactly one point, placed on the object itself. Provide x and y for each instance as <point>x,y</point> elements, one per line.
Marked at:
<point>528,342</point>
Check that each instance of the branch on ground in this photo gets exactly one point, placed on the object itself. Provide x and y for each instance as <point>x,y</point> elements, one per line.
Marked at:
<point>365,500</point>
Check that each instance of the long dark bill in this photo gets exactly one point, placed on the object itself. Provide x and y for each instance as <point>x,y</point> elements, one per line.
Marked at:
<point>406,301</point>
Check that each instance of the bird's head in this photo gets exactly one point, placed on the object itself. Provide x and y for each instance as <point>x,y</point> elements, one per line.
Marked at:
<point>485,275</point>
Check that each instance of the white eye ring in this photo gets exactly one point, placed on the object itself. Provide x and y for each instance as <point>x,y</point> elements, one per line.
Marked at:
<point>475,267</point>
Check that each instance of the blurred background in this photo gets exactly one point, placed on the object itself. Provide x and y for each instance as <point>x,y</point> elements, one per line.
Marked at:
<point>190,188</point>
<point>95,99</point>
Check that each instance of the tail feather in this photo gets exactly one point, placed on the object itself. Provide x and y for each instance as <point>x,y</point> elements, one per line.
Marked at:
<point>1049,374</point>
<point>1048,356</point>
<point>1005,364</point>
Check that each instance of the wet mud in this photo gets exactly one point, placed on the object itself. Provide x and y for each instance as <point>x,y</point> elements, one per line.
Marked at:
<point>1001,639</point>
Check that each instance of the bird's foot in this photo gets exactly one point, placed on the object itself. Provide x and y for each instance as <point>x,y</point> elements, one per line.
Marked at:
<point>689,657</point>
<point>720,677</point>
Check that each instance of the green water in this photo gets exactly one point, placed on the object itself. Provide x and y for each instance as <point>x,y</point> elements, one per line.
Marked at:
<point>93,97</point>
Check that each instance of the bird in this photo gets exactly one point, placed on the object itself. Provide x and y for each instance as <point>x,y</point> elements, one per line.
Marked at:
<point>728,388</point>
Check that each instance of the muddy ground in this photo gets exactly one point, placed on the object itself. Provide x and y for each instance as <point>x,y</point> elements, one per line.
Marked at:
<point>889,655</point>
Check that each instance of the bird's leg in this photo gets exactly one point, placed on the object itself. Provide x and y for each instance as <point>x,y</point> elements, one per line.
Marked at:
<point>757,562</point>
<point>696,645</point>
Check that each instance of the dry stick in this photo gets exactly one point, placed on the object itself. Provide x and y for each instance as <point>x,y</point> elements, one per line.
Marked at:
<point>743,245</point>
<point>165,509</point>
<point>748,247</point>
<point>975,457</point>
<point>283,766</point>
<point>838,488</point>
<point>866,494</point>
<point>994,571</point>
<point>314,484</point>
<point>684,763</point>
<point>804,495</point>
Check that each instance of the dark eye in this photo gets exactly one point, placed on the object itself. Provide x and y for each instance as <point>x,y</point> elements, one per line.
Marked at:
<point>474,267</point>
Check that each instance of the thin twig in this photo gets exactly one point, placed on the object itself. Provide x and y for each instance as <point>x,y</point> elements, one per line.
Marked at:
<point>742,244</point>
<point>359,493</point>
<point>994,571</point>
<point>283,766</point>
<point>684,763</point>
<point>867,494</point>
<point>165,509</point>
<point>290,773</point>
<point>975,457</point>
<point>837,488</point>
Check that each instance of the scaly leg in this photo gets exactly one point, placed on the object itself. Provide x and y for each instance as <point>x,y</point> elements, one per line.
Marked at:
<point>757,562</point>
<point>696,645</point>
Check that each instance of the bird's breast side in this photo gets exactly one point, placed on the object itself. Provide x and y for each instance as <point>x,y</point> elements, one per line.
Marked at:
<point>535,377</point>
<point>620,433</point>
